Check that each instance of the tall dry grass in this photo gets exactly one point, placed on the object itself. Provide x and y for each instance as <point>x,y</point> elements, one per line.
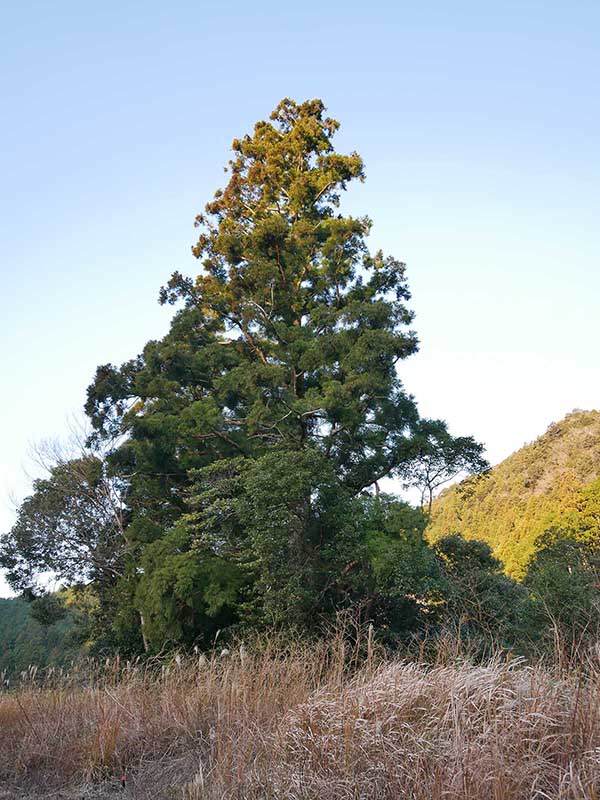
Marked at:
<point>303,722</point>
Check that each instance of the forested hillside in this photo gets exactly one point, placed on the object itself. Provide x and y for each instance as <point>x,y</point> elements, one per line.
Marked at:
<point>547,484</point>
<point>24,641</point>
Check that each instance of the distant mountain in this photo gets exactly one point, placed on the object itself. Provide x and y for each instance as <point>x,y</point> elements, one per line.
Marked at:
<point>534,489</point>
<point>24,642</point>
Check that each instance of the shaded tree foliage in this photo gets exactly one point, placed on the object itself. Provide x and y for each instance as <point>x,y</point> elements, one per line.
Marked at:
<point>563,579</point>
<point>480,600</point>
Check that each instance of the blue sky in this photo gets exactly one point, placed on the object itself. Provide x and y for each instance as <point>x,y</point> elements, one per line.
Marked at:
<point>479,125</point>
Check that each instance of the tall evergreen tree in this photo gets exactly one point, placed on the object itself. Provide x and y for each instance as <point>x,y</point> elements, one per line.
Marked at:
<point>248,436</point>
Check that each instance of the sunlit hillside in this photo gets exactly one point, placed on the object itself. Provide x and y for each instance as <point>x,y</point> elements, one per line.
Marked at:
<point>536,488</point>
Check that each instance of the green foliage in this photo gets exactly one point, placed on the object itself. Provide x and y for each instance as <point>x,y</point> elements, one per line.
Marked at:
<point>408,583</point>
<point>24,641</point>
<point>232,476</point>
<point>186,597</point>
<point>582,520</point>
<point>563,579</point>
<point>48,609</point>
<point>480,599</point>
<point>537,488</point>
<point>291,526</point>
<point>70,526</point>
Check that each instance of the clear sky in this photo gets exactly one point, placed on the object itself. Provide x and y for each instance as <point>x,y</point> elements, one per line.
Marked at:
<point>479,124</point>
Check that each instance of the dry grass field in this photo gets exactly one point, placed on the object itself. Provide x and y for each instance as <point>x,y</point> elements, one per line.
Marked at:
<point>305,723</point>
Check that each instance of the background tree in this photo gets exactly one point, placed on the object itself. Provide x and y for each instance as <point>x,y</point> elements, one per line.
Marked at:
<point>71,528</point>
<point>408,587</point>
<point>481,602</point>
<point>563,579</point>
<point>442,458</point>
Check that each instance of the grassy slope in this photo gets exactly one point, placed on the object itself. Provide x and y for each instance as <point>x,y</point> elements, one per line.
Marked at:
<point>525,494</point>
